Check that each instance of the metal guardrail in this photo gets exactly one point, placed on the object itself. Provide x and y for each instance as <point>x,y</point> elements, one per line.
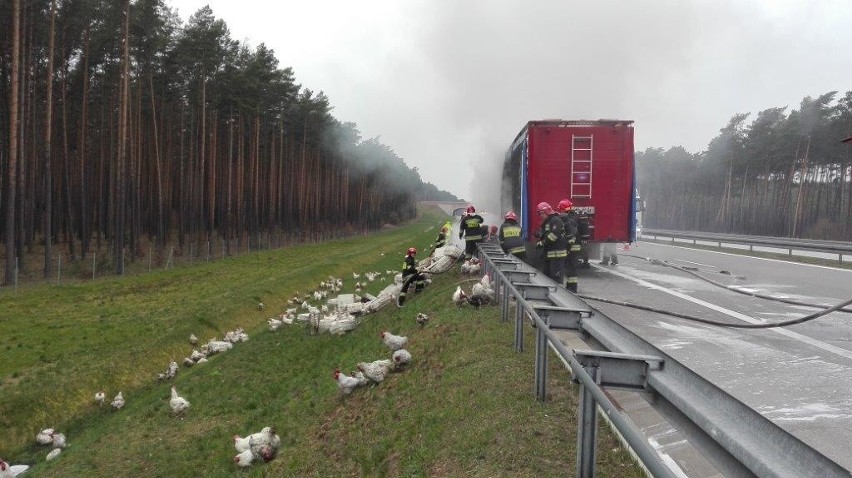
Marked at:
<point>736,439</point>
<point>840,248</point>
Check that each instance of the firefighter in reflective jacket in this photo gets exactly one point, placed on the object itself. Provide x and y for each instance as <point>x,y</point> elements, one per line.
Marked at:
<point>441,240</point>
<point>584,234</point>
<point>410,275</point>
<point>470,227</point>
<point>569,220</point>
<point>510,237</point>
<point>551,242</point>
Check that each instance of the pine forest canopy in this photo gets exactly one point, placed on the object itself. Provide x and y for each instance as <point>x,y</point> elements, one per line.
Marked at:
<point>117,128</point>
<point>782,174</point>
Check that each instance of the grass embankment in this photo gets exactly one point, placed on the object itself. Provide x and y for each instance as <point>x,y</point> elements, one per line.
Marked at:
<point>464,408</point>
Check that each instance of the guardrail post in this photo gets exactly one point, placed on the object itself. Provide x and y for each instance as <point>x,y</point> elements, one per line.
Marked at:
<point>587,429</point>
<point>519,329</point>
<point>541,365</point>
<point>504,302</point>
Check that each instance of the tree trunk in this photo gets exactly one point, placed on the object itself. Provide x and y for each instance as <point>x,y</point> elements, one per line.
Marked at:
<point>48,122</point>
<point>800,193</point>
<point>13,145</point>
<point>157,163</point>
<point>118,240</point>
<point>85,230</point>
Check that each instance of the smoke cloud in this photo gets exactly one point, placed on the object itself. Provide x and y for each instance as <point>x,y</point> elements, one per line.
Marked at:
<point>448,85</point>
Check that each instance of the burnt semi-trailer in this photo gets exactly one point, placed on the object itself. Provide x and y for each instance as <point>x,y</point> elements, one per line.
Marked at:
<point>588,162</point>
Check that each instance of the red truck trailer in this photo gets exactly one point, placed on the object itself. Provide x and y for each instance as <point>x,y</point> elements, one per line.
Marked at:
<point>588,162</point>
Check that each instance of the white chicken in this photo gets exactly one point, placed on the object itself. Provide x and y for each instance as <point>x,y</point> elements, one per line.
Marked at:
<point>100,397</point>
<point>11,471</point>
<point>241,444</point>
<point>377,370</point>
<point>117,402</point>
<point>193,340</point>
<point>53,454</point>
<point>422,319</point>
<point>244,458</point>
<point>393,342</point>
<point>178,403</point>
<point>59,440</point>
<point>261,306</point>
<point>45,437</point>
<point>188,362</point>
<point>274,324</point>
<point>481,293</point>
<point>346,383</point>
<point>172,370</point>
<point>459,296</point>
<point>401,358</point>
<point>359,376</point>
<point>265,443</point>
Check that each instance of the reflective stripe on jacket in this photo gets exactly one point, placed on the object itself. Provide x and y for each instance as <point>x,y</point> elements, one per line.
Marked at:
<point>470,227</point>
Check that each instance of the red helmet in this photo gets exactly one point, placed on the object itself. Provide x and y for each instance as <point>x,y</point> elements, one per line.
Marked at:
<point>565,205</point>
<point>471,209</point>
<point>544,207</point>
<point>412,251</point>
<point>510,216</point>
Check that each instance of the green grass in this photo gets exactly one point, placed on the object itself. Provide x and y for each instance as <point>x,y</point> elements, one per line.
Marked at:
<point>464,408</point>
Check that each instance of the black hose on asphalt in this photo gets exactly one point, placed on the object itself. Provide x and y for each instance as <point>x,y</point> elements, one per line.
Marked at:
<point>739,291</point>
<point>783,323</point>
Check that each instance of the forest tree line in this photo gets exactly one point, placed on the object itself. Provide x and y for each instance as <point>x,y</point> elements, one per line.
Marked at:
<point>777,173</point>
<point>122,125</point>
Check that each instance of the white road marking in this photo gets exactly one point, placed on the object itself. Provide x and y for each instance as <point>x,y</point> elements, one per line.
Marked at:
<point>745,318</point>
<point>698,264</point>
<point>667,459</point>
<point>752,257</point>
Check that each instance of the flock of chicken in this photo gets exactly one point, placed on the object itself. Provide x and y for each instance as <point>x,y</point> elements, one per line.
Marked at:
<point>377,370</point>
<point>338,315</point>
<point>262,445</point>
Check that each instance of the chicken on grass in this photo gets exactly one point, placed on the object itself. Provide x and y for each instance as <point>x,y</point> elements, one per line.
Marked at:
<point>459,297</point>
<point>45,437</point>
<point>346,383</point>
<point>244,458</point>
<point>100,397</point>
<point>177,403</point>
<point>422,319</point>
<point>377,370</point>
<point>11,471</point>
<point>262,445</point>
<point>393,342</point>
<point>118,401</point>
<point>401,358</point>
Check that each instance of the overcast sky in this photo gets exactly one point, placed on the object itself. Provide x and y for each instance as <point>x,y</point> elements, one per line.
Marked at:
<point>448,84</point>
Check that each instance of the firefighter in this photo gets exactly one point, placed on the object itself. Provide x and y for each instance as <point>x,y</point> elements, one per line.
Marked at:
<point>510,237</point>
<point>609,254</point>
<point>441,240</point>
<point>551,242</point>
<point>566,209</point>
<point>470,227</point>
<point>492,233</point>
<point>410,275</point>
